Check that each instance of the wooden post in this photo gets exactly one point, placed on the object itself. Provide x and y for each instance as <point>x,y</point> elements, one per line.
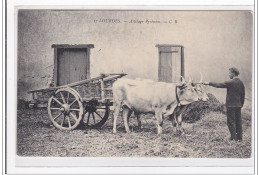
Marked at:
<point>102,89</point>
<point>182,62</point>
<point>88,64</point>
<point>55,69</point>
<point>34,96</point>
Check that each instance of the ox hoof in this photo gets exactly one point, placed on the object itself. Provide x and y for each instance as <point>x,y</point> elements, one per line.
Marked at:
<point>128,132</point>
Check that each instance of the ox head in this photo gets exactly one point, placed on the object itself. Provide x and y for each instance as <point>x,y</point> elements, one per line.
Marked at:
<point>186,92</point>
<point>200,89</point>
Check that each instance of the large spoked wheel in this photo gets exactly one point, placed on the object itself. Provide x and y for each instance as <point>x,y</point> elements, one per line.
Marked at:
<point>95,116</point>
<point>65,109</point>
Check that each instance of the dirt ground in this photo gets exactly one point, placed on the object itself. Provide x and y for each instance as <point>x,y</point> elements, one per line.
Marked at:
<point>207,138</point>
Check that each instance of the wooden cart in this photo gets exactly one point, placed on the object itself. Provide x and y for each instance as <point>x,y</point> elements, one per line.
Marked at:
<point>84,102</point>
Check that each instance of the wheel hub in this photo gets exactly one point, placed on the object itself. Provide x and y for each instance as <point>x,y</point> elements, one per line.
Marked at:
<point>65,108</point>
<point>91,106</point>
<point>91,109</point>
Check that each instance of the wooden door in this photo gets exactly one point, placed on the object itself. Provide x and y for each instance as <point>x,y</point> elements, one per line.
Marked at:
<point>170,64</point>
<point>72,65</point>
<point>165,69</point>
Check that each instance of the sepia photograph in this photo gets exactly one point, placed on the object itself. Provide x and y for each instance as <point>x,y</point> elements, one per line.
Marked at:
<point>135,83</point>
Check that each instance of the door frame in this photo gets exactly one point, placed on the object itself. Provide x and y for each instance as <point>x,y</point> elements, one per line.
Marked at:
<point>160,46</point>
<point>67,46</point>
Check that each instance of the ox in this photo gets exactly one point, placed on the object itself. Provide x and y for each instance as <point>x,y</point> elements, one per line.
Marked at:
<point>176,117</point>
<point>143,97</point>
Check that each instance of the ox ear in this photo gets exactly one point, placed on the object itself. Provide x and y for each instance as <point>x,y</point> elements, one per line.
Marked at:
<point>182,83</point>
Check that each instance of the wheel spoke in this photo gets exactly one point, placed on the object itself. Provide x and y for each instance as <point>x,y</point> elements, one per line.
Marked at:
<point>98,115</point>
<point>73,116</point>
<point>69,121</point>
<point>55,108</point>
<point>88,118</point>
<point>75,109</point>
<point>101,108</point>
<point>57,116</point>
<point>62,121</point>
<point>57,101</point>
<point>93,117</point>
<point>63,99</point>
<point>73,102</point>
<point>68,98</point>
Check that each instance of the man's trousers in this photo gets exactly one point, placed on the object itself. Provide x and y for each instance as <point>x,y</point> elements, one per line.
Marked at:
<point>234,122</point>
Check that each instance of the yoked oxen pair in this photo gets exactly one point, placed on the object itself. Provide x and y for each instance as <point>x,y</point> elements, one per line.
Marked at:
<point>144,97</point>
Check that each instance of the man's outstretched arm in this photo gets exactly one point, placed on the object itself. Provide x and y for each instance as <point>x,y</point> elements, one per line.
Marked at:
<point>217,85</point>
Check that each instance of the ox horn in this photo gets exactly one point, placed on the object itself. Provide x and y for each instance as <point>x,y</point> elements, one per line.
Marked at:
<point>201,77</point>
<point>190,80</point>
<point>182,80</point>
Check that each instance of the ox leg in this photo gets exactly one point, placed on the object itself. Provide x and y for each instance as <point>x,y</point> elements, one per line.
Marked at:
<point>126,115</point>
<point>179,121</point>
<point>116,114</point>
<point>174,122</point>
<point>139,121</point>
<point>159,119</point>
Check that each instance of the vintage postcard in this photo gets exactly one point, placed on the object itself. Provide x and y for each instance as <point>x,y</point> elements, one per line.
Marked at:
<point>102,84</point>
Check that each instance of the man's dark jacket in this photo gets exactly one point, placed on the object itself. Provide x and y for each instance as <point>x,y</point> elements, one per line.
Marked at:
<point>235,92</point>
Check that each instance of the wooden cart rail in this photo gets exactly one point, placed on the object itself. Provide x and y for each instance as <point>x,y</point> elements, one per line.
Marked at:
<point>103,76</point>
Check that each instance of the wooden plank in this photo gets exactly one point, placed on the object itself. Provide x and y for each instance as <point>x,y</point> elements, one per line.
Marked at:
<point>167,45</point>
<point>72,46</point>
<point>159,65</point>
<point>88,63</point>
<point>168,51</point>
<point>102,88</point>
<point>168,72</point>
<point>182,62</point>
<point>165,67</point>
<point>55,71</point>
<point>123,74</point>
<point>114,77</point>
<point>91,98</point>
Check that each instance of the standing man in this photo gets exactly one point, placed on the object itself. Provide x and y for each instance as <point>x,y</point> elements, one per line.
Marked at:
<point>234,102</point>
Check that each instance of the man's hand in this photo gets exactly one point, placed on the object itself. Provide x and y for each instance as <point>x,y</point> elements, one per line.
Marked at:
<point>206,83</point>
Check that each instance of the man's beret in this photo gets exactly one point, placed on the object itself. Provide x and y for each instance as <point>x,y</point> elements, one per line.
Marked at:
<point>234,70</point>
